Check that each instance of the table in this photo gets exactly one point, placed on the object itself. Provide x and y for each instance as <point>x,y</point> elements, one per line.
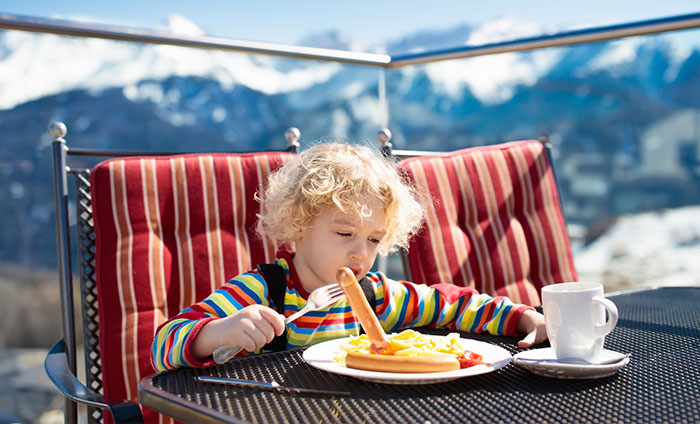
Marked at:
<point>660,327</point>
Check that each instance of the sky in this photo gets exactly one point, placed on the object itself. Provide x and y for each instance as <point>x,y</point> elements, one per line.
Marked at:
<point>369,23</point>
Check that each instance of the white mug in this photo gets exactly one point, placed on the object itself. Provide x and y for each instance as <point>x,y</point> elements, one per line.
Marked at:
<point>574,315</point>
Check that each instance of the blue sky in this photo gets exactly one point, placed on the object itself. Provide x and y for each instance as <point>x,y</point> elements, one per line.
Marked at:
<point>363,21</point>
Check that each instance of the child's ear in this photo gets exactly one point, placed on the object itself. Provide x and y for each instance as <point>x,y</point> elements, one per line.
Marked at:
<point>296,236</point>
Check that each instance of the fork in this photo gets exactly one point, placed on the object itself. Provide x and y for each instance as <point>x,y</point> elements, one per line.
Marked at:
<point>318,299</point>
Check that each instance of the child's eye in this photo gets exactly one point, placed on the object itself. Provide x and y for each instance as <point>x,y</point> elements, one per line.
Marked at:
<point>374,240</point>
<point>341,234</point>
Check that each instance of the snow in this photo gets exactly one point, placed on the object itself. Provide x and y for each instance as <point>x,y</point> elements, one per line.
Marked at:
<point>39,65</point>
<point>620,52</point>
<point>642,250</point>
<point>492,79</point>
<point>505,28</point>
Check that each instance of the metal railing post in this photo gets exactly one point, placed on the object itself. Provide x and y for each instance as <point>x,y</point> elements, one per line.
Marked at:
<point>58,131</point>
<point>383,101</point>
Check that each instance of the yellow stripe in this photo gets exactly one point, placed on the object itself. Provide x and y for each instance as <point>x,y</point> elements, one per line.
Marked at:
<point>471,225</point>
<point>238,205</point>
<point>432,222</point>
<point>497,163</point>
<point>456,234</point>
<point>491,204</point>
<point>262,165</point>
<point>183,235</point>
<point>155,245</point>
<point>124,275</point>
<point>211,219</point>
<point>551,216</point>
<point>533,225</point>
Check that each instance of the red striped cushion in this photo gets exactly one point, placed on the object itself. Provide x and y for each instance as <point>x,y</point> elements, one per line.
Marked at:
<point>495,223</point>
<point>169,231</point>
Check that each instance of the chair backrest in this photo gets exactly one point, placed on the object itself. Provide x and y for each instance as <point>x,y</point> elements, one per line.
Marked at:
<point>168,231</point>
<point>494,221</point>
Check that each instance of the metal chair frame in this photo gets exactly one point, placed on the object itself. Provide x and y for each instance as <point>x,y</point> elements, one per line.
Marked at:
<point>61,361</point>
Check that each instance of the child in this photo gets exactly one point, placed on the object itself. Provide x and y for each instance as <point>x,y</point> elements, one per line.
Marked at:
<point>337,205</point>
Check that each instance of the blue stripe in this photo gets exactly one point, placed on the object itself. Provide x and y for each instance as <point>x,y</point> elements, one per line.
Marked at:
<point>335,327</point>
<point>506,310</point>
<point>477,319</point>
<point>254,293</point>
<point>421,309</point>
<point>225,294</point>
<point>178,338</point>
<point>215,307</point>
<point>436,311</point>
<point>333,310</point>
<point>294,292</point>
<point>402,309</point>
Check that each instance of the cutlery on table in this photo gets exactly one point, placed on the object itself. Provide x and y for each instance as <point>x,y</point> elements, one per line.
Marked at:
<point>318,299</point>
<point>607,361</point>
<point>268,386</point>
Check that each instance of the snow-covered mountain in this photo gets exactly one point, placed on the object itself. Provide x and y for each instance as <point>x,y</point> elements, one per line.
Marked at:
<point>594,100</point>
<point>38,65</point>
<point>648,249</point>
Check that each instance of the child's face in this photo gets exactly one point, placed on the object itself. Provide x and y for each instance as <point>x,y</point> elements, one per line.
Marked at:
<point>335,239</point>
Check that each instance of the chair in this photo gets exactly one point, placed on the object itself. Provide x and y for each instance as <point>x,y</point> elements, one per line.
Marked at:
<point>155,234</point>
<point>494,221</point>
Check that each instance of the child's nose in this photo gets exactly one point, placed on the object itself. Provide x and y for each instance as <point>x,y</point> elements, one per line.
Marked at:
<point>358,251</point>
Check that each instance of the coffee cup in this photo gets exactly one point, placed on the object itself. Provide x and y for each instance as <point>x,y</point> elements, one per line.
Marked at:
<point>574,315</point>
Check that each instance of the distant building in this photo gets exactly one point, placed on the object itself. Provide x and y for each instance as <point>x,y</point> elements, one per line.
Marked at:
<point>584,179</point>
<point>668,173</point>
<point>670,147</point>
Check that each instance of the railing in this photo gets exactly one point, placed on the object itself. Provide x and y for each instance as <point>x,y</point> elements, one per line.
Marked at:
<point>567,38</point>
<point>588,35</point>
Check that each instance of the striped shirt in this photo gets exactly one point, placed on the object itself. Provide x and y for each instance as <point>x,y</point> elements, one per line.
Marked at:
<point>399,305</point>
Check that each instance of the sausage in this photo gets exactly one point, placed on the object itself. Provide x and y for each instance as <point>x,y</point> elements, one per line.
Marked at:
<point>405,364</point>
<point>363,312</point>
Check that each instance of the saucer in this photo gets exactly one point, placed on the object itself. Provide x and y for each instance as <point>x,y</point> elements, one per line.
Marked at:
<point>544,362</point>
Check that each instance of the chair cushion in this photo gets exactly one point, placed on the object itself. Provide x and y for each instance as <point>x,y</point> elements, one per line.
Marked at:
<point>169,231</point>
<point>494,223</point>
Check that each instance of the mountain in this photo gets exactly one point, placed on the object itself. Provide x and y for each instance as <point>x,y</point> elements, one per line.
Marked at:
<point>594,100</point>
<point>647,249</point>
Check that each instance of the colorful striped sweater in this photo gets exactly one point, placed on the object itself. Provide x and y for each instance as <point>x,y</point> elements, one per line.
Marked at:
<point>399,304</point>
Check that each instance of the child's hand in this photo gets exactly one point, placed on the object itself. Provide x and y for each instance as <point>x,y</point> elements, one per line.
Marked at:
<point>251,328</point>
<point>532,324</point>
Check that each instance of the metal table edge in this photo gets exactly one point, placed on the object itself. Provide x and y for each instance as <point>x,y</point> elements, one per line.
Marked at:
<point>649,288</point>
<point>168,404</point>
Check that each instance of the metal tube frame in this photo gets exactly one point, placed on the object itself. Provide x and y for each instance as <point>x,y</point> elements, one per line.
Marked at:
<point>567,38</point>
<point>64,261</point>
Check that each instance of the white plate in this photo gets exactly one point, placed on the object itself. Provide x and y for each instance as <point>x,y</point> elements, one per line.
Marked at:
<point>321,356</point>
<point>544,362</point>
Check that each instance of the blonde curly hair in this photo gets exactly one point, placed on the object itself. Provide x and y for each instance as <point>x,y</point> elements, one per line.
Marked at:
<point>339,175</point>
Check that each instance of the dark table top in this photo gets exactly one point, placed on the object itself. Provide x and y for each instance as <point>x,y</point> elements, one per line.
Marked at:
<point>659,327</point>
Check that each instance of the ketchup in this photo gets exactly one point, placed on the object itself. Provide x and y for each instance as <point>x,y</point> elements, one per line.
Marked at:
<point>469,359</point>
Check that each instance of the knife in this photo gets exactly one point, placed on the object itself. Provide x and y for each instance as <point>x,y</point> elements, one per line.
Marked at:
<point>268,386</point>
<point>608,361</point>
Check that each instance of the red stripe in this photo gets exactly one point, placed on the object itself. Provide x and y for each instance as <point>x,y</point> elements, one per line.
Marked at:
<point>313,322</point>
<point>172,256</point>
<point>122,203</point>
<point>486,315</point>
<point>514,234</point>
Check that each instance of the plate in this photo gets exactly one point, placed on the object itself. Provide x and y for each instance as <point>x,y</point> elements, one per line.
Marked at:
<point>321,356</point>
<point>544,362</point>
